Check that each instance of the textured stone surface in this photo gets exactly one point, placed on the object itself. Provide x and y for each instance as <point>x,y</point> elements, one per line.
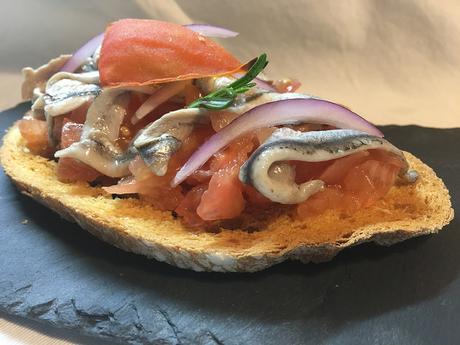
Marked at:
<point>52,271</point>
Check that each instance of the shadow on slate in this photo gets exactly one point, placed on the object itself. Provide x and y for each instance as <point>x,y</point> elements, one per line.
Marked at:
<point>409,293</point>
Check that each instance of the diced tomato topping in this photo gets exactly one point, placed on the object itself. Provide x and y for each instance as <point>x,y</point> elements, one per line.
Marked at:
<point>234,154</point>
<point>306,171</point>
<point>199,177</point>
<point>71,133</point>
<point>72,170</point>
<point>187,207</point>
<point>264,133</point>
<point>253,197</point>
<point>330,197</point>
<point>222,118</point>
<point>69,169</point>
<point>355,181</point>
<point>370,181</point>
<point>339,168</point>
<point>216,193</point>
<point>224,197</point>
<point>79,115</point>
<point>35,132</point>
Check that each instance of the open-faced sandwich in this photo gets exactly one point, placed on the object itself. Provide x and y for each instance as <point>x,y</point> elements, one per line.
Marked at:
<point>158,140</point>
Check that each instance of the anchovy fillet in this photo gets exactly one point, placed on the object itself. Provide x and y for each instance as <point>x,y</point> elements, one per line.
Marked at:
<point>156,145</point>
<point>65,92</point>
<point>276,180</point>
<point>157,142</point>
<point>97,146</point>
<point>157,152</point>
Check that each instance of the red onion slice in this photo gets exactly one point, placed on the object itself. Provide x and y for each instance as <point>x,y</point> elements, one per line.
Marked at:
<point>160,96</point>
<point>80,56</point>
<point>276,113</point>
<point>211,30</point>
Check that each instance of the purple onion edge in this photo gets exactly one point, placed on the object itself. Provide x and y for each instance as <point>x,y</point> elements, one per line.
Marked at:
<point>176,181</point>
<point>224,32</point>
<point>71,65</point>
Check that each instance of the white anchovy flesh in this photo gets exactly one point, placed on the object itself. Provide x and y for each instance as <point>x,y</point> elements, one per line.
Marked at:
<point>267,171</point>
<point>157,142</point>
<point>97,147</point>
<point>65,92</point>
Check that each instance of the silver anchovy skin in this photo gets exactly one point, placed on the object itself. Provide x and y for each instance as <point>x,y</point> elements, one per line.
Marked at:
<point>97,147</point>
<point>157,142</point>
<point>180,123</point>
<point>156,153</point>
<point>65,92</point>
<point>266,171</point>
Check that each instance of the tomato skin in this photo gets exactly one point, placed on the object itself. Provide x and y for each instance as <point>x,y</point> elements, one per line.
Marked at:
<point>141,52</point>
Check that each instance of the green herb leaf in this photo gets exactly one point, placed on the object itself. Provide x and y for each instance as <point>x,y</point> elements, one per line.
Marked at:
<point>224,97</point>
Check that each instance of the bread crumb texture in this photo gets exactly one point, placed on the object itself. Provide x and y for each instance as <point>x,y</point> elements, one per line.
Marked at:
<point>255,241</point>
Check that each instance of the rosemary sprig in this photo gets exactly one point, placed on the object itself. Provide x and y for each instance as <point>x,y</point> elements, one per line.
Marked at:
<point>224,97</point>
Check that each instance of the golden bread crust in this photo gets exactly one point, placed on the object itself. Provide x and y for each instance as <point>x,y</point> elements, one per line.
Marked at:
<point>256,241</point>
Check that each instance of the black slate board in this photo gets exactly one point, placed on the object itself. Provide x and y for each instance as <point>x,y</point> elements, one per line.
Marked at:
<point>52,271</point>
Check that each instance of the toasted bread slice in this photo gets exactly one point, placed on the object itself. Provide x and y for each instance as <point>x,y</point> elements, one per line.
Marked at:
<point>258,240</point>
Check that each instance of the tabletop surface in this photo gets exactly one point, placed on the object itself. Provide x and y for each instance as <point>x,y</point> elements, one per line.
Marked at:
<point>394,63</point>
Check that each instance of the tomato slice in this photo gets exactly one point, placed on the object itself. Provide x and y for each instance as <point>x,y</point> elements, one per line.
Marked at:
<point>141,52</point>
